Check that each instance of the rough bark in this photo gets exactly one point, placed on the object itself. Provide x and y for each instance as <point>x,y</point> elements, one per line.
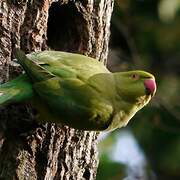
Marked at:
<point>50,151</point>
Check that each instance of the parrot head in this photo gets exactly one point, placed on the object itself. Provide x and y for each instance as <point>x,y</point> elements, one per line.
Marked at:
<point>136,87</point>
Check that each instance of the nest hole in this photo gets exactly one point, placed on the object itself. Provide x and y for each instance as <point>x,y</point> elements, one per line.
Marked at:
<point>64,27</point>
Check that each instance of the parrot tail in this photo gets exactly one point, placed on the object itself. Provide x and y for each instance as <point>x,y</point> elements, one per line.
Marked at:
<point>15,91</point>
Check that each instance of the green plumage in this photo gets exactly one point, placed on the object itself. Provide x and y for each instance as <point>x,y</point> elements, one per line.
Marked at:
<point>15,91</point>
<point>76,90</point>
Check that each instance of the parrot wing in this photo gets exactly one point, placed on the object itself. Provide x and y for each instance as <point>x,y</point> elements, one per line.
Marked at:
<point>68,65</point>
<point>61,84</point>
<point>48,64</point>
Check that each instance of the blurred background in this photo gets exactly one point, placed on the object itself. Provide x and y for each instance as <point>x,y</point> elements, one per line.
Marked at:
<point>145,34</point>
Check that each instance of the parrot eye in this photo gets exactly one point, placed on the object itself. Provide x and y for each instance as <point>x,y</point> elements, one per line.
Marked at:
<point>135,76</point>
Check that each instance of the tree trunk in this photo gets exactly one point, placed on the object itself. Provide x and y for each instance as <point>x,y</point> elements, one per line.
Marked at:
<point>50,151</point>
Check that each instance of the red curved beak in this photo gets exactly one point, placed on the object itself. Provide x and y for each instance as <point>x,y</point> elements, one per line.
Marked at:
<point>150,85</point>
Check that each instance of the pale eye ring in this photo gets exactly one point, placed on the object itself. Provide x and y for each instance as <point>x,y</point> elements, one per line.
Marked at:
<point>135,76</point>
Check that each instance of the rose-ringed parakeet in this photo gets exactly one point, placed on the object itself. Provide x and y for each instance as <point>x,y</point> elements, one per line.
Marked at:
<point>78,91</point>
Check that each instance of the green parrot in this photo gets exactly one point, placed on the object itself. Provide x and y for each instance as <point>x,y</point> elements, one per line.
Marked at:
<point>77,90</point>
